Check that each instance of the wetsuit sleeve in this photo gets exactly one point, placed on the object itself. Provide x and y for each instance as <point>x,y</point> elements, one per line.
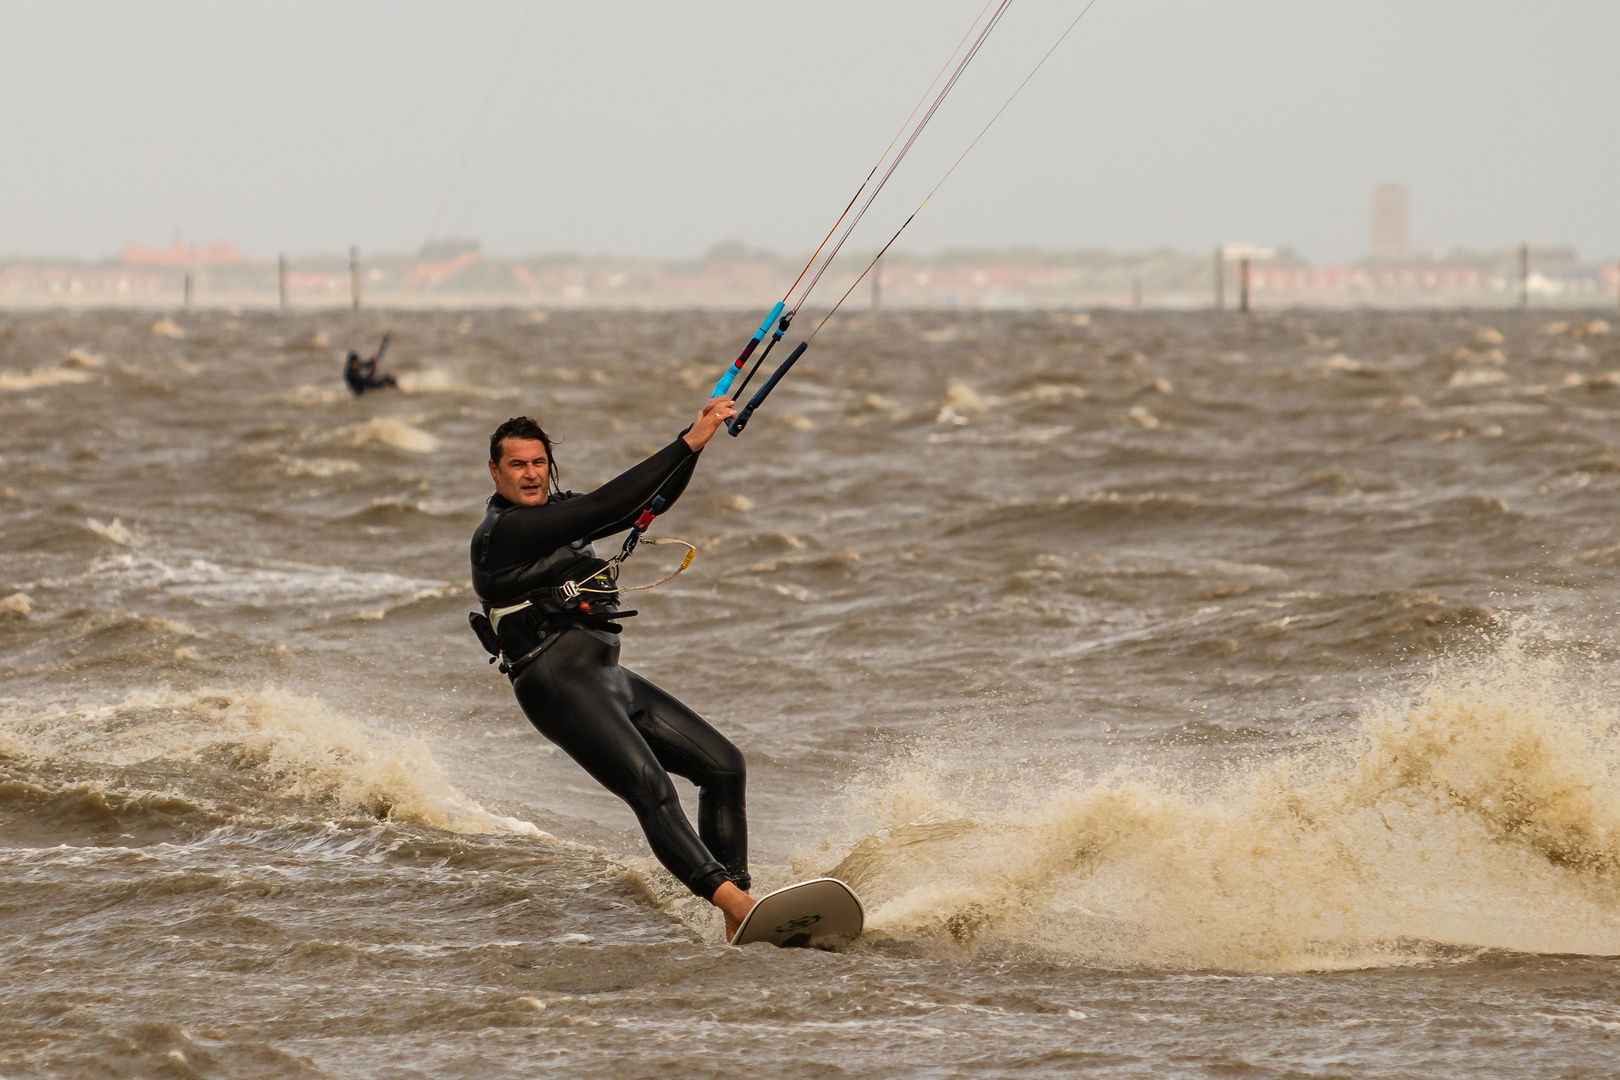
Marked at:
<point>610,508</point>
<point>671,490</point>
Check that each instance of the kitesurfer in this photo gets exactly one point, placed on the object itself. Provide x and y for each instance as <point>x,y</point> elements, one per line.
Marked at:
<point>551,612</point>
<point>361,375</point>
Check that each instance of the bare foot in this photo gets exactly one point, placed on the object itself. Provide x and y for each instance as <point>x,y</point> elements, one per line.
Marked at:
<point>734,904</point>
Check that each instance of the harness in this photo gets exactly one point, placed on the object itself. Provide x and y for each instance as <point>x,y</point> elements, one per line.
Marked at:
<point>543,616</point>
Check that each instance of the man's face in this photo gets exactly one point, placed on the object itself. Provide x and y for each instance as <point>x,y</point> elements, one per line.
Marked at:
<point>523,471</point>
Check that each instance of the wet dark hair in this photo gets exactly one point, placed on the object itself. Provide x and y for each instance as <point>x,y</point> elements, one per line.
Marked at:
<point>522,427</point>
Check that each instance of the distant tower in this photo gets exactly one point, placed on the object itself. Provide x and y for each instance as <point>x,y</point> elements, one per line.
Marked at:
<point>1389,235</point>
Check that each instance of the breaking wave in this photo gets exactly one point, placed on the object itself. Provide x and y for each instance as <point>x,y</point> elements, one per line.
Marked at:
<point>395,433</point>
<point>42,377</point>
<point>211,583</point>
<point>289,747</point>
<point>1484,815</point>
<point>440,381</point>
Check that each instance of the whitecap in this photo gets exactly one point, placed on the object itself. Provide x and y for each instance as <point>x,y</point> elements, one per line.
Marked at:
<point>396,433</point>
<point>39,378</point>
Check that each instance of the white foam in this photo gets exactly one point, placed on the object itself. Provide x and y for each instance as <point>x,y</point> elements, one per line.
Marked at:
<point>440,381</point>
<point>295,745</point>
<point>1142,417</point>
<point>1485,814</point>
<point>963,404</point>
<point>82,358</point>
<point>273,584</point>
<point>309,394</point>
<point>40,378</point>
<point>116,531</point>
<point>394,433</point>
<point>1469,377</point>
<point>1051,393</point>
<point>318,467</point>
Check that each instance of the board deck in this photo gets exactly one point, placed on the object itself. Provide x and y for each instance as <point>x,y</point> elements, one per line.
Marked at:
<point>809,913</point>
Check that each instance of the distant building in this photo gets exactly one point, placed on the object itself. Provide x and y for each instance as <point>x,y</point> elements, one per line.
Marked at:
<point>178,254</point>
<point>445,248</point>
<point>1390,240</point>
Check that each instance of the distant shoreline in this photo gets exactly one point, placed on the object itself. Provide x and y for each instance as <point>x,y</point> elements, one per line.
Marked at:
<point>732,278</point>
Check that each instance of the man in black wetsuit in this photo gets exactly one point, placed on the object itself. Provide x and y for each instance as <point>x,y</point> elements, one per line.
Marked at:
<point>555,610</point>
<point>361,375</point>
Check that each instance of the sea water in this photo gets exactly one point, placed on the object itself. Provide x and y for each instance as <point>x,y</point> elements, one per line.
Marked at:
<point>1185,694</point>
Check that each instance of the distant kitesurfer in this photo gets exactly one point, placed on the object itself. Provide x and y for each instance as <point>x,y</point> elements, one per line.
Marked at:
<point>551,612</point>
<point>361,375</point>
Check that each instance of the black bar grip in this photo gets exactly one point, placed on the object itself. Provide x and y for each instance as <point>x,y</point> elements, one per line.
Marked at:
<point>737,391</point>
<point>781,329</point>
<point>740,421</point>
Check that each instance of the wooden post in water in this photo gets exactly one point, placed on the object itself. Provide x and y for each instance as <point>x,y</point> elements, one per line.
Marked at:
<point>354,275</point>
<point>1220,278</point>
<point>1244,255</point>
<point>1524,275</point>
<point>281,278</point>
<point>188,290</point>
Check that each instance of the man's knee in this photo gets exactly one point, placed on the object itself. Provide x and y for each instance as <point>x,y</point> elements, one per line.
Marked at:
<point>650,792</point>
<point>728,772</point>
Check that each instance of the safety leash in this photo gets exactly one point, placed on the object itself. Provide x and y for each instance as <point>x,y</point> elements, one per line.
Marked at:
<point>569,591</point>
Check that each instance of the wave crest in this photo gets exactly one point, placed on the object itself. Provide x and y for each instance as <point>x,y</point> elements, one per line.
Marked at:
<point>1484,815</point>
<point>295,747</point>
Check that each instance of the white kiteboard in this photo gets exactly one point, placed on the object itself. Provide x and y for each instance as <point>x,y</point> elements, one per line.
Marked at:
<point>809,913</point>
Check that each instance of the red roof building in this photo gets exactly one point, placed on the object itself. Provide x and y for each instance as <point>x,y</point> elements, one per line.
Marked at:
<point>178,254</point>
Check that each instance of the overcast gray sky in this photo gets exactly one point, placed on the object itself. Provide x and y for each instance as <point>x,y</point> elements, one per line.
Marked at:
<point>657,128</point>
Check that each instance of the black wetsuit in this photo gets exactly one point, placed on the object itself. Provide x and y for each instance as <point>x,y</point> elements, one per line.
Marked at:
<point>626,732</point>
<point>362,376</point>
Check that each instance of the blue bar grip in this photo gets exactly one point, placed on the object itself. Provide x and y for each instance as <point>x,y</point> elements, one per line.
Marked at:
<point>740,421</point>
<point>776,335</point>
<point>731,372</point>
<point>730,375</point>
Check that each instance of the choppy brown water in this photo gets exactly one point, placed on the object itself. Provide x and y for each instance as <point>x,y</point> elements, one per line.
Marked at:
<point>1185,694</point>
